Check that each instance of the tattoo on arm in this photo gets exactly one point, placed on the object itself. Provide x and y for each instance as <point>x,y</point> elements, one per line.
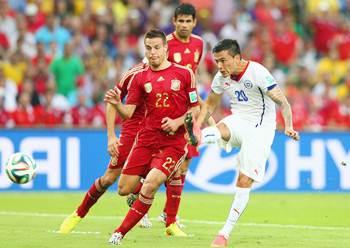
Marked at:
<point>207,116</point>
<point>280,99</point>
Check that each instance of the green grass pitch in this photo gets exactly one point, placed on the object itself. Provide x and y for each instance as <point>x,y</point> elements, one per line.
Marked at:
<point>29,220</point>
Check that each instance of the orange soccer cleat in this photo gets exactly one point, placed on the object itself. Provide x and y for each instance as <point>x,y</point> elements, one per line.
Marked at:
<point>219,241</point>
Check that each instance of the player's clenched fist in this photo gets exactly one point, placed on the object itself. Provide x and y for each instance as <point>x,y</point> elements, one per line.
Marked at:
<point>169,125</point>
<point>290,132</point>
<point>113,144</point>
<point>112,96</point>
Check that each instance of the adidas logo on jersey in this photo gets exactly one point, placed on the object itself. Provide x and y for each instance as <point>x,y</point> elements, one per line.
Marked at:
<point>160,79</point>
<point>187,50</point>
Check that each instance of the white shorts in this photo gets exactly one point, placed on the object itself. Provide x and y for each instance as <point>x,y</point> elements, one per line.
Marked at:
<point>254,143</point>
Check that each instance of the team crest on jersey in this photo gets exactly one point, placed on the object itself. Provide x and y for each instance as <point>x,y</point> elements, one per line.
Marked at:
<point>175,84</point>
<point>248,84</point>
<point>177,57</point>
<point>196,56</point>
<point>148,87</point>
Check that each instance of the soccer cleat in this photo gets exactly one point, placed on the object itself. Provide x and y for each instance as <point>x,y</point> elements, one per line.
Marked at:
<point>69,223</point>
<point>116,238</point>
<point>162,218</point>
<point>219,241</point>
<point>192,129</point>
<point>145,222</point>
<point>174,230</point>
<point>131,198</point>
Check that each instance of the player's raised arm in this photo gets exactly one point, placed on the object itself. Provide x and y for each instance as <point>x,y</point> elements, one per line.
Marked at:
<point>280,99</point>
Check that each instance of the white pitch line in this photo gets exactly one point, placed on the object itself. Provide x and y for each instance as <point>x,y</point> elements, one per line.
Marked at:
<point>77,232</point>
<point>204,222</point>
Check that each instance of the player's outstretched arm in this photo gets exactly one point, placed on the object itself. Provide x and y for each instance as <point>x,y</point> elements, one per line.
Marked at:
<point>208,108</point>
<point>280,99</point>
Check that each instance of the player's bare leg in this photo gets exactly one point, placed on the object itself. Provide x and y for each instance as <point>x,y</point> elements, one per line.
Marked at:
<point>243,186</point>
<point>96,190</point>
<point>127,184</point>
<point>153,181</point>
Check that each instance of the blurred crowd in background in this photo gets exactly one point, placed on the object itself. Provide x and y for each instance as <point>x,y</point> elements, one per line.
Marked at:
<point>58,57</point>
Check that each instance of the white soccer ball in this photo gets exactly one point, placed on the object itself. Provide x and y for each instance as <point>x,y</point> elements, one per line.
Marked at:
<point>20,168</point>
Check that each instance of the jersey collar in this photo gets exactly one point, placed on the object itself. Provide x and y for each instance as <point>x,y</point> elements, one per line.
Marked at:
<point>240,75</point>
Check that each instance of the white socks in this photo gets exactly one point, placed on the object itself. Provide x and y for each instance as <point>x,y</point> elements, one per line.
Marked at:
<point>210,135</point>
<point>239,204</point>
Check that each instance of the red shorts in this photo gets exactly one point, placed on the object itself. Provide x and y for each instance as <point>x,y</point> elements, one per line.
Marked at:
<point>124,149</point>
<point>192,152</point>
<point>143,158</point>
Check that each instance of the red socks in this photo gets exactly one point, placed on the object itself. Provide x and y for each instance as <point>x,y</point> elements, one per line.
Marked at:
<point>135,214</point>
<point>183,178</point>
<point>173,193</point>
<point>138,187</point>
<point>90,199</point>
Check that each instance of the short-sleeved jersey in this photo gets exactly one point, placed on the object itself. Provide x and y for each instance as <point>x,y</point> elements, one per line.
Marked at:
<point>248,94</point>
<point>166,93</point>
<point>187,54</point>
<point>131,126</point>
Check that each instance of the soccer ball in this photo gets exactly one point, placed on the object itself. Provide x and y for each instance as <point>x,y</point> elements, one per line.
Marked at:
<point>20,168</point>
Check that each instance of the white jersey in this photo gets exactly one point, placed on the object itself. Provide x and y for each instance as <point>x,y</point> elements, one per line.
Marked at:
<point>249,101</point>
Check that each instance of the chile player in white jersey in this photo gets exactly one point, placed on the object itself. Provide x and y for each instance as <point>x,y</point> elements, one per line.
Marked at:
<point>251,127</point>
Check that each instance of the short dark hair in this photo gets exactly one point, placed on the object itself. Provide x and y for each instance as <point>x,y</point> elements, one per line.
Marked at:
<point>185,9</point>
<point>229,45</point>
<point>156,33</point>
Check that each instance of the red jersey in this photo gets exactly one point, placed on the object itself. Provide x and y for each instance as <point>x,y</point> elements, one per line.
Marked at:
<point>131,126</point>
<point>78,116</point>
<point>344,46</point>
<point>48,116</point>
<point>5,118</point>
<point>284,47</point>
<point>185,53</point>
<point>97,115</point>
<point>24,116</point>
<point>166,93</point>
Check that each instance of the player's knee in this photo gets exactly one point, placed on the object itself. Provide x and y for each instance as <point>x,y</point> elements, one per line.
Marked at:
<point>124,189</point>
<point>107,181</point>
<point>244,181</point>
<point>109,177</point>
<point>149,188</point>
<point>184,166</point>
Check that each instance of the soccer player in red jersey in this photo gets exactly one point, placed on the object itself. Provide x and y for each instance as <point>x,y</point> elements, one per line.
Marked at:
<point>118,149</point>
<point>168,91</point>
<point>184,48</point>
